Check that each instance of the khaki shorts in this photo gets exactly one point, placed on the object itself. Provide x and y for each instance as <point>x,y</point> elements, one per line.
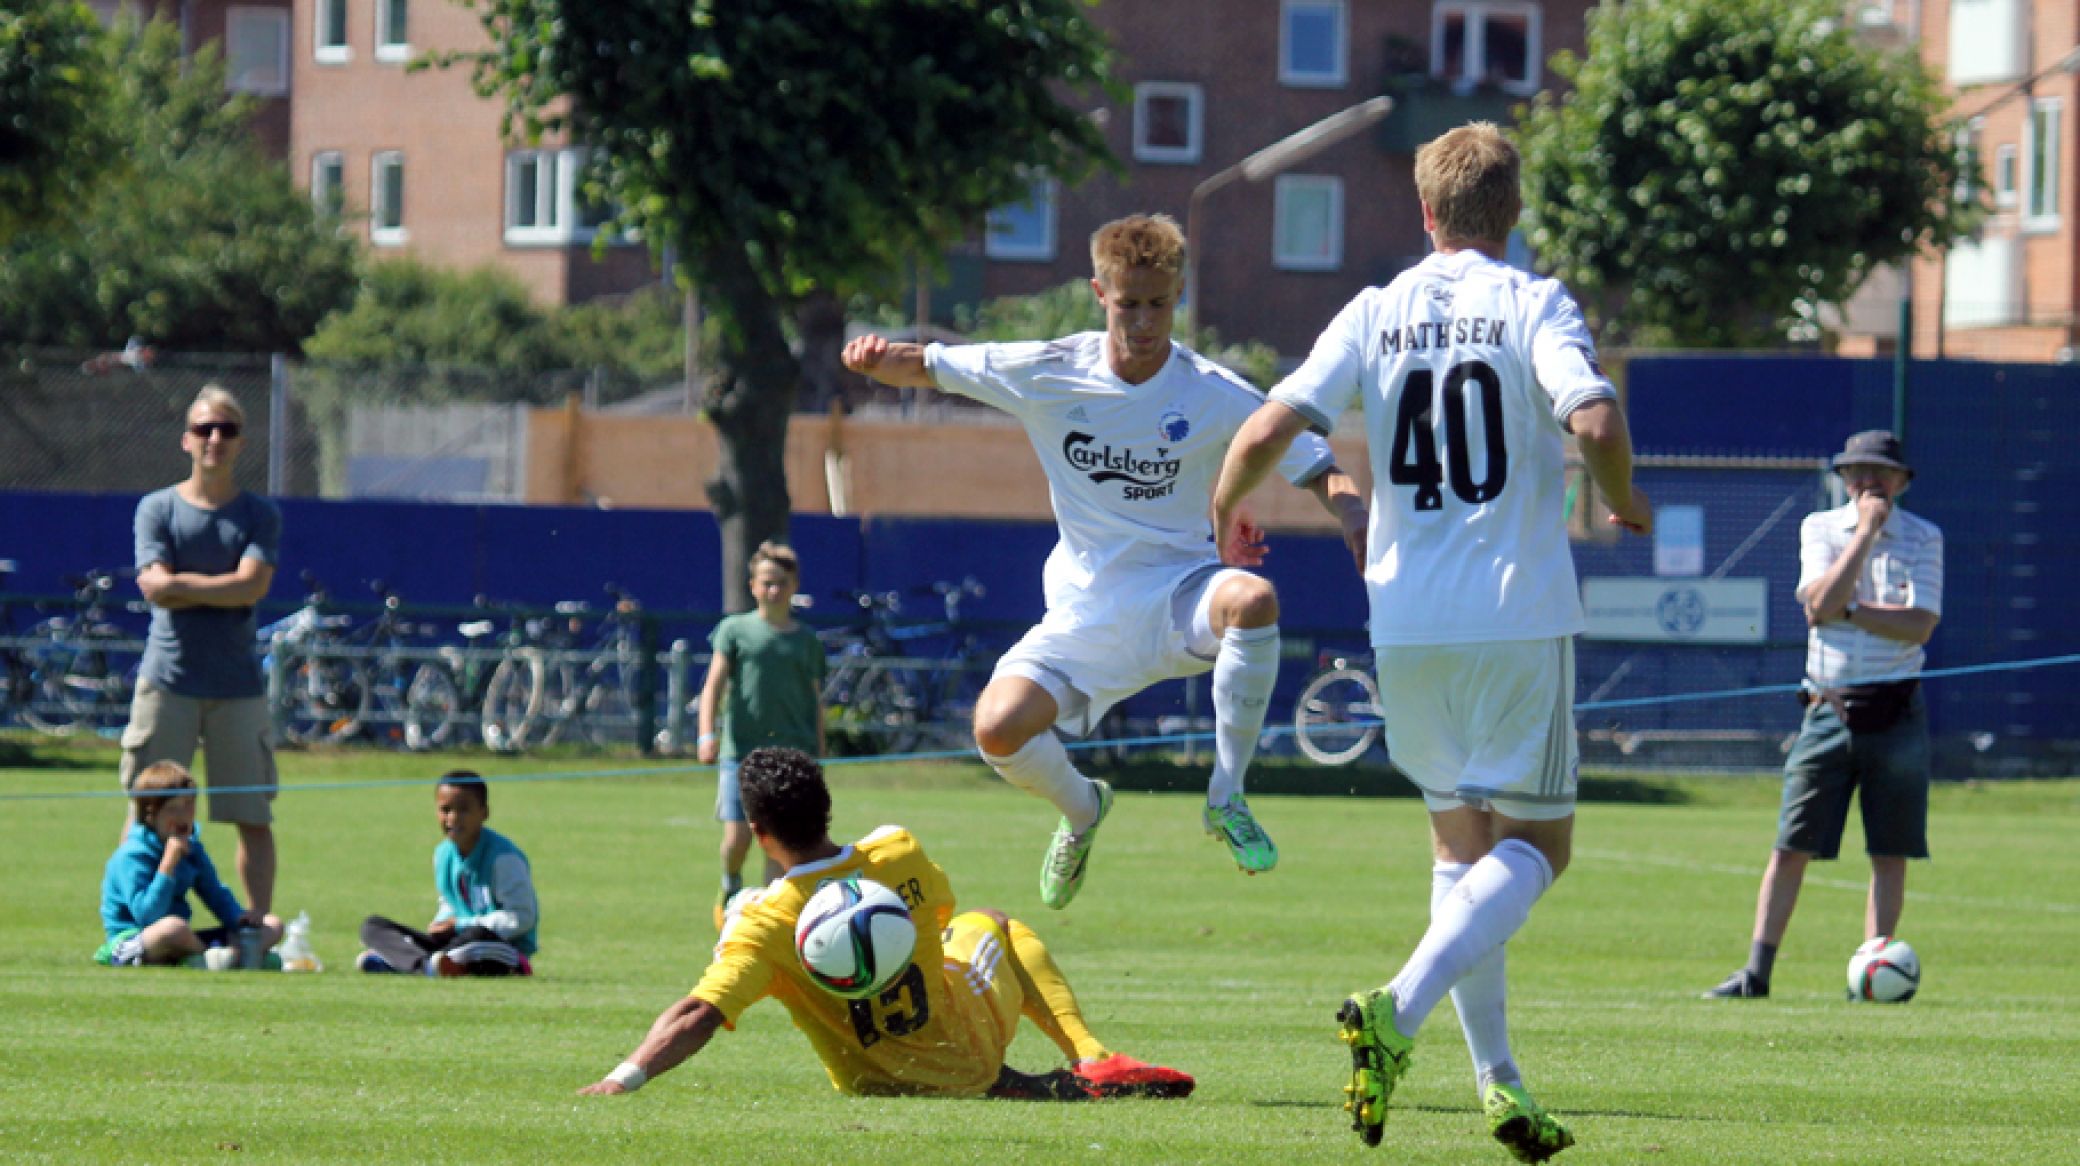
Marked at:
<point>237,739</point>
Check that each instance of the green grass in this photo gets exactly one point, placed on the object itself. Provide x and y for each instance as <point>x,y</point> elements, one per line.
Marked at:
<point>1176,957</point>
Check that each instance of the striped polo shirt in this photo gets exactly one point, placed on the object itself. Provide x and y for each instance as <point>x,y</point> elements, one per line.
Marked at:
<point>1905,569</point>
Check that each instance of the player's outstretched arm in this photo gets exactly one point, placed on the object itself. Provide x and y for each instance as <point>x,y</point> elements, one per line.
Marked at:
<point>1599,428</point>
<point>890,362</point>
<point>1257,448</point>
<point>1339,495</point>
<point>679,1032</point>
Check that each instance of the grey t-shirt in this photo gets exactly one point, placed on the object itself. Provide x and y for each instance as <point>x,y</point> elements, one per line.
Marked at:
<point>204,652</point>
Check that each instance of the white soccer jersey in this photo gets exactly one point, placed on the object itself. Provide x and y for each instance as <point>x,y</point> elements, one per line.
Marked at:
<point>1130,468</point>
<point>1466,367</point>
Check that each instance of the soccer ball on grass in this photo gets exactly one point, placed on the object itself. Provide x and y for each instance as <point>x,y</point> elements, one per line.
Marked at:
<point>854,937</point>
<point>1884,969</point>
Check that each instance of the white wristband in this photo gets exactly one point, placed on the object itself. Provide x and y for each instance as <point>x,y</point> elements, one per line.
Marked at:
<point>628,1075</point>
<point>707,737</point>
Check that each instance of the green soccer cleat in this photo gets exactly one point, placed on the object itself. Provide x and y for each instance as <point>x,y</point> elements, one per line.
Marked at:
<point>1069,855</point>
<point>1233,824</point>
<point>1379,1056</point>
<point>1523,1127</point>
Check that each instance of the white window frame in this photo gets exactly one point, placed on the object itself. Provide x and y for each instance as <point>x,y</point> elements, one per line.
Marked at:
<point>322,51</point>
<point>2033,218</point>
<point>1340,75</point>
<point>556,203</point>
<point>389,48</point>
<point>2007,168</point>
<point>1474,57</point>
<point>1194,97</point>
<point>337,200</point>
<point>379,207</point>
<point>1290,186</point>
<point>275,21</point>
<point>1971,175</point>
<point>1044,196</point>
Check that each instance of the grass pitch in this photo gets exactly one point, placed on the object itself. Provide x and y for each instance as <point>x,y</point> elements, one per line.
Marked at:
<point>1176,956</point>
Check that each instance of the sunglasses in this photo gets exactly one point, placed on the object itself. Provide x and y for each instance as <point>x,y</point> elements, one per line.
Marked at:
<point>224,429</point>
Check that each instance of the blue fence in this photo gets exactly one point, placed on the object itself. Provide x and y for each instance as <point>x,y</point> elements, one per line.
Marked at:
<point>1991,444</point>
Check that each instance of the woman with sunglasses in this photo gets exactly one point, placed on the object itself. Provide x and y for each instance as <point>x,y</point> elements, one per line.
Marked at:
<point>206,553</point>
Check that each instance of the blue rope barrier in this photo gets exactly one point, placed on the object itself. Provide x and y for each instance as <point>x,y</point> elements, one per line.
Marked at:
<point>970,754</point>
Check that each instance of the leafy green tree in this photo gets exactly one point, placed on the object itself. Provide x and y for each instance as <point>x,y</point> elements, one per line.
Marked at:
<point>1719,171</point>
<point>195,241</point>
<point>790,152</point>
<point>423,335</point>
<point>1070,308</point>
<point>53,129</point>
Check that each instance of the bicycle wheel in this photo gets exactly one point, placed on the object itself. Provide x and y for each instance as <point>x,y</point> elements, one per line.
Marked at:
<point>607,714</point>
<point>75,683</point>
<point>325,699</point>
<point>886,703</point>
<point>1337,717</point>
<point>511,700</point>
<point>432,707</point>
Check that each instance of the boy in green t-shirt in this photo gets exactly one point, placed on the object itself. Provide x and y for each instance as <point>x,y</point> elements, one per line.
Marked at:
<point>765,687</point>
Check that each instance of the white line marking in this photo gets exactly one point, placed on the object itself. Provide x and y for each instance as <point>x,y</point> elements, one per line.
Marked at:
<point>1755,872</point>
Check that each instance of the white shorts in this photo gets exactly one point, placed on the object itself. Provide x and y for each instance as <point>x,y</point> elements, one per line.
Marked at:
<point>1142,630</point>
<point>1484,725</point>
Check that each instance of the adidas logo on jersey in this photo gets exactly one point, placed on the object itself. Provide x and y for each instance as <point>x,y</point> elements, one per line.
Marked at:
<point>1077,414</point>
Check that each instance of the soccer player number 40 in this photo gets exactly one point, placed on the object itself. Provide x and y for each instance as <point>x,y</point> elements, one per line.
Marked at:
<point>1414,461</point>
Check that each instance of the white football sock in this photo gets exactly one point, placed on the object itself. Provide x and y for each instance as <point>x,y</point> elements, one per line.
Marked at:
<point>1041,768</point>
<point>1480,996</point>
<point>1479,915</point>
<point>1243,672</point>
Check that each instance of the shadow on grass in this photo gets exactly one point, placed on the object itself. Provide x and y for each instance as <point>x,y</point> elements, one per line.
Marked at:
<point>33,751</point>
<point>1301,779</point>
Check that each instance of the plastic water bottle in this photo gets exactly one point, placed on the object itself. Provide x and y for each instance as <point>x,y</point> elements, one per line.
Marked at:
<point>297,955</point>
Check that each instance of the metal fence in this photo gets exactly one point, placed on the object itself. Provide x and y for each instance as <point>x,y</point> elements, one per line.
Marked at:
<point>111,422</point>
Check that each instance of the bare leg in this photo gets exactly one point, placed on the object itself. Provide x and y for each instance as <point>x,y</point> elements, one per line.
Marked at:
<point>1888,895</point>
<point>736,844</point>
<point>1781,881</point>
<point>169,941</point>
<point>256,865</point>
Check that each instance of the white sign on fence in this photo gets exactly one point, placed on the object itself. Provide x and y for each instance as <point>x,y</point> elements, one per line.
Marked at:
<point>1679,540</point>
<point>1683,611</point>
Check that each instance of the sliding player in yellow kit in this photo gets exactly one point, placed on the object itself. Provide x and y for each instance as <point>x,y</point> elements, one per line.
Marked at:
<point>942,1028</point>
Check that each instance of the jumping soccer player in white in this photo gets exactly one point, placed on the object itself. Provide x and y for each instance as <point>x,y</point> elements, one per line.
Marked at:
<point>1468,370</point>
<point>1130,428</point>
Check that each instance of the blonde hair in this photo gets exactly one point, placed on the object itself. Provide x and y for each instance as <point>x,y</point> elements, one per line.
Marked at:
<point>147,789</point>
<point>1151,241</point>
<point>219,399</point>
<point>780,555</point>
<point>1469,180</point>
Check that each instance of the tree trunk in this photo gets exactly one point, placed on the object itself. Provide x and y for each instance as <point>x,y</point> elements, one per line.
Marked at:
<point>749,405</point>
<point>820,320</point>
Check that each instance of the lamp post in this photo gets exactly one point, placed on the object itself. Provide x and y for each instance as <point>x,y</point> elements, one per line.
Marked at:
<point>1272,159</point>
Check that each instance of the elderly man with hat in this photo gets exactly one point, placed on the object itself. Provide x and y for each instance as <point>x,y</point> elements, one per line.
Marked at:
<point>1871,582</point>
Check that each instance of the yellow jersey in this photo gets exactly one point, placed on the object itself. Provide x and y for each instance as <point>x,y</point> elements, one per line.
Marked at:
<point>931,1032</point>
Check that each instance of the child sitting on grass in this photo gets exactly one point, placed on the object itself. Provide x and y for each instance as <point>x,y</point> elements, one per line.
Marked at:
<point>486,922</point>
<point>144,890</point>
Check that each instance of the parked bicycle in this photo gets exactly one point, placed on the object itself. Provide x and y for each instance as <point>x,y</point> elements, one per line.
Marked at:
<point>320,695</point>
<point>74,671</point>
<point>1337,716</point>
<point>884,695</point>
<point>557,686</point>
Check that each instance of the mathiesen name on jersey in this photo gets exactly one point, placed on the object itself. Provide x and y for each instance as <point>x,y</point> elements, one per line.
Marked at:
<point>1423,335</point>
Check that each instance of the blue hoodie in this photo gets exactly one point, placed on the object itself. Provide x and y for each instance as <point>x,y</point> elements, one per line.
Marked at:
<point>135,895</point>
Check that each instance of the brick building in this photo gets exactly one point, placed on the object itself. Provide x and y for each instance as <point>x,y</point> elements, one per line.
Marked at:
<point>2010,292</point>
<point>1212,82</point>
<point>417,158</point>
